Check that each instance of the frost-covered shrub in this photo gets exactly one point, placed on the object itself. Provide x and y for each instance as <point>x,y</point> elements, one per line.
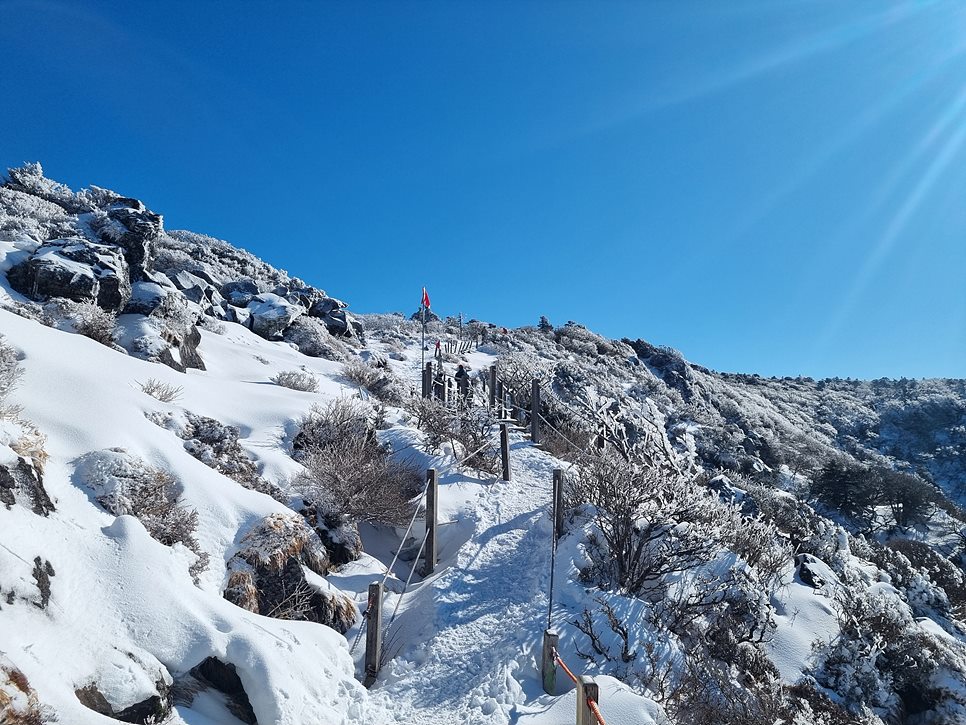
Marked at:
<point>10,369</point>
<point>348,475</point>
<point>23,216</point>
<point>160,390</point>
<point>314,339</point>
<point>301,380</point>
<point>19,703</point>
<point>376,377</point>
<point>940,570</point>
<point>884,661</point>
<point>93,321</point>
<point>644,518</point>
<point>469,431</point>
<point>126,485</point>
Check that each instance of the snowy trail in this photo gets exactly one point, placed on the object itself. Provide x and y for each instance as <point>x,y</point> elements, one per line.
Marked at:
<point>472,662</point>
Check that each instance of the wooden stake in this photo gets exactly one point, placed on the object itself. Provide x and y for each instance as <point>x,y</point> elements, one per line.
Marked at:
<point>374,634</point>
<point>500,399</point>
<point>428,393</point>
<point>535,411</point>
<point>586,688</point>
<point>505,450</point>
<point>432,517</point>
<point>557,504</point>
<point>492,390</point>
<point>548,666</point>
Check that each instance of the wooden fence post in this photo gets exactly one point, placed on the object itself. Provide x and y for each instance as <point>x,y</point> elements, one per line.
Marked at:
<point>586,688</point>
<point>557,504</point>
<point>428,376</point>
<point>500,399</point>
<point>505,450</point>
<point>373,633</point>
<point>432,517</point>
<point>492,390</point>
<point>535,411</point>
<point>548,665</point>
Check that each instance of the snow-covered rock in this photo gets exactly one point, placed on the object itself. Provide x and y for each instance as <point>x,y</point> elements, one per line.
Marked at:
<point>76,269</point>
<point>271,314</point>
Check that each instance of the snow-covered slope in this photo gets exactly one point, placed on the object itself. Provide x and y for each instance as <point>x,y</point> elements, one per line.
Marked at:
<point>147,540</point>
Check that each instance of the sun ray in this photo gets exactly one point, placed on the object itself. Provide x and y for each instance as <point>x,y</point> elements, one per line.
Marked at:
<point>953,116</point>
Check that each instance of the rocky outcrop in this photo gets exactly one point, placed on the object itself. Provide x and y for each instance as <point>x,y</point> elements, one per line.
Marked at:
<point>22,481</point>
<point>223,677</point>
<point>278,572</point>
<point>116,253</point>
<point>140,231</point>
<point>76,269</point>
<point>183,351</point>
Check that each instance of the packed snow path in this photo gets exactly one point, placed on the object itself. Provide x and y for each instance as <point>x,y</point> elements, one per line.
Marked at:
<point>471,630</point>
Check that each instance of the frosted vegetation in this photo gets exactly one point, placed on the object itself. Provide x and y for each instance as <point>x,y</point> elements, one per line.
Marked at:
<point>198,488</point>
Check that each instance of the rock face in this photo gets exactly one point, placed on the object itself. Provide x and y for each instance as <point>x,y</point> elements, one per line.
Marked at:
<point>268,575</point>
<point>76,269</point>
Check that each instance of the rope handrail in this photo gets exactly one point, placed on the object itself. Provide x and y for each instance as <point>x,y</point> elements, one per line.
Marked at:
<point>591,703</point>
<point>408,580</point>
<point>406,535</point>
<point>594,708</point>
<point>482,448</point>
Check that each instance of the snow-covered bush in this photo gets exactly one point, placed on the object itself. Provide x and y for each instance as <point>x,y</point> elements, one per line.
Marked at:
<point>644,518</point>
<point>376,377</point>
<point>314,339</point>
<point>19,704</point>
<point>158,389</point>
<point>93,321</point>
<point>301,380</point>
<point>469,431</point>
<point>126,485</point>
<point>10,369</point>
<point>348,475</point>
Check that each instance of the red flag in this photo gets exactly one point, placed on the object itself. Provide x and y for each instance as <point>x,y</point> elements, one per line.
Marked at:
<point>425,298</point>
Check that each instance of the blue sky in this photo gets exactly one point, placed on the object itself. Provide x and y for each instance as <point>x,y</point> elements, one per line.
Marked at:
<point>773,187</point>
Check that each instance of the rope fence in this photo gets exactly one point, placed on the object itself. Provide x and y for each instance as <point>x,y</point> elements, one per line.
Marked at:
<point>587,694</point>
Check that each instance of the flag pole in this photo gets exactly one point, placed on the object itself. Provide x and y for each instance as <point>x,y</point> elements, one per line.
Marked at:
<point>422,308</point>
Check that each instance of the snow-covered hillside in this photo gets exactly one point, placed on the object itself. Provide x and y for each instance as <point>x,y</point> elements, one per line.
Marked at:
<point>189,445</point>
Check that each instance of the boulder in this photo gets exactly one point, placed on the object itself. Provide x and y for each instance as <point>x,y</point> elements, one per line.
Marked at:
<point>76,269</point>
<point>341,324</point>
<point>183,351</point>
<point>278,572</point>
<point>221,676</point>
<point>146,297</point>
<point>141,232</point>
<point>271,314</point>
<point>325,305</point>
<point>239,293</point>
<point>814,572</point>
